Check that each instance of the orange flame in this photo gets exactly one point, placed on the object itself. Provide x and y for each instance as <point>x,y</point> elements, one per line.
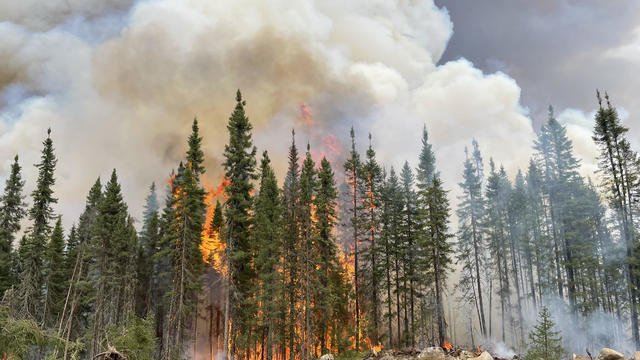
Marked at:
<point>447,345</point>
<point>212,246</point>
<point>375,349</point>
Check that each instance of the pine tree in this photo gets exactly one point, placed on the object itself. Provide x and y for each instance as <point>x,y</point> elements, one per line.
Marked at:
<point>41,213</point>
<point>268,237</point>
<point>12,210</point>
<point>54,275</point>
<point>545,342</point>
<point>239,167</point>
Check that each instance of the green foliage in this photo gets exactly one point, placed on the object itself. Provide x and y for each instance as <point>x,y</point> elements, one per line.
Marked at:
<point>239,165</point>
<point>268,244</point>
<point>12,210</point>
<point>545,343</point>
<point>135,338</point>
<point>41,213</point>
<point>55,274</point>
<point>21,338</point>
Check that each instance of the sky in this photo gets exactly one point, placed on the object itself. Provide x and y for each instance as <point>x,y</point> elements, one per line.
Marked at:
<point>120,81</point>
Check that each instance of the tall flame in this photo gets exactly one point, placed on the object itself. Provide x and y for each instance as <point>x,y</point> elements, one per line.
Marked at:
<point>212,246</point>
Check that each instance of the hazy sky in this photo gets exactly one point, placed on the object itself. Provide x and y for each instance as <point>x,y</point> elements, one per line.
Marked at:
<point>119,81</point>
<point>558,51</point>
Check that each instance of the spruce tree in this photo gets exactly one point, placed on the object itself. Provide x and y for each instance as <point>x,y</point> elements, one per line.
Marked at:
<point>291,239</point>
<point>78,302</point>
<point>437,226</point>
<point>149,246</point>
<point>470,243</point>
<point>545,342</point>
<point>326,215</point>
<point>109,256</point>
<point>54,275</point>
<point>12,210</point>
<point>352,168</point>
<point>239,168</point>
<point>41,213</point>
<point>426,163</point>
<point>308,258</point>
<point>620,169</point>
<point>195,155</point>
<point>411,251</point>
<point>372,182</point>
<point>495,228</point>
<point>268,237</point>
<point>182,243</point>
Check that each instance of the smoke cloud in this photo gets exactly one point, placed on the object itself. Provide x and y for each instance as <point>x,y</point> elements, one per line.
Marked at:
<point>120,81</point>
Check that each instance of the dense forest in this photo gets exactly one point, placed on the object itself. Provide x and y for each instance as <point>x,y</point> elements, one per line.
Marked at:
<point>340,258</point>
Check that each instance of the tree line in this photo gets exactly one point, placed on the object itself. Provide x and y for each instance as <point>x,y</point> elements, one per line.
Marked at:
<point>551,234</point>
<point>321,264</point>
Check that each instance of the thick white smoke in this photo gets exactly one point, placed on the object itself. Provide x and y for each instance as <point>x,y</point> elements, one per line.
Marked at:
<point>120,81</point>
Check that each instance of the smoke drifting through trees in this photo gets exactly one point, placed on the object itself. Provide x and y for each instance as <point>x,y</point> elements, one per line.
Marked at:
<point>295,287</point>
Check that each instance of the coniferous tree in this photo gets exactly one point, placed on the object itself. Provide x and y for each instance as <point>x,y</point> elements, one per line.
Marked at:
<point>470,243</point>
<point>308,251</point>
<point>620,169</point>
<point>437,226</point>
<point>239,167</point>
<point>109,254</point>
<point>410,250</point>
<point>327,291</point>
<point>12,210</point>
<point>73,320</point>
<point>291,239</point>
<point>150,240</point>
<point>495,228</point>
<point>372,182</point>
<point>389,210</point>
<point>353,167</point>
<point>268,238</point>
<point>545,342</point>
<point>54,275</point>
<point>182,246</point>
<point>41,213</point>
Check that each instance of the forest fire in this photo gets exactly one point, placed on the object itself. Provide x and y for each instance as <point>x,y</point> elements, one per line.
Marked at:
<point>212,246</point>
